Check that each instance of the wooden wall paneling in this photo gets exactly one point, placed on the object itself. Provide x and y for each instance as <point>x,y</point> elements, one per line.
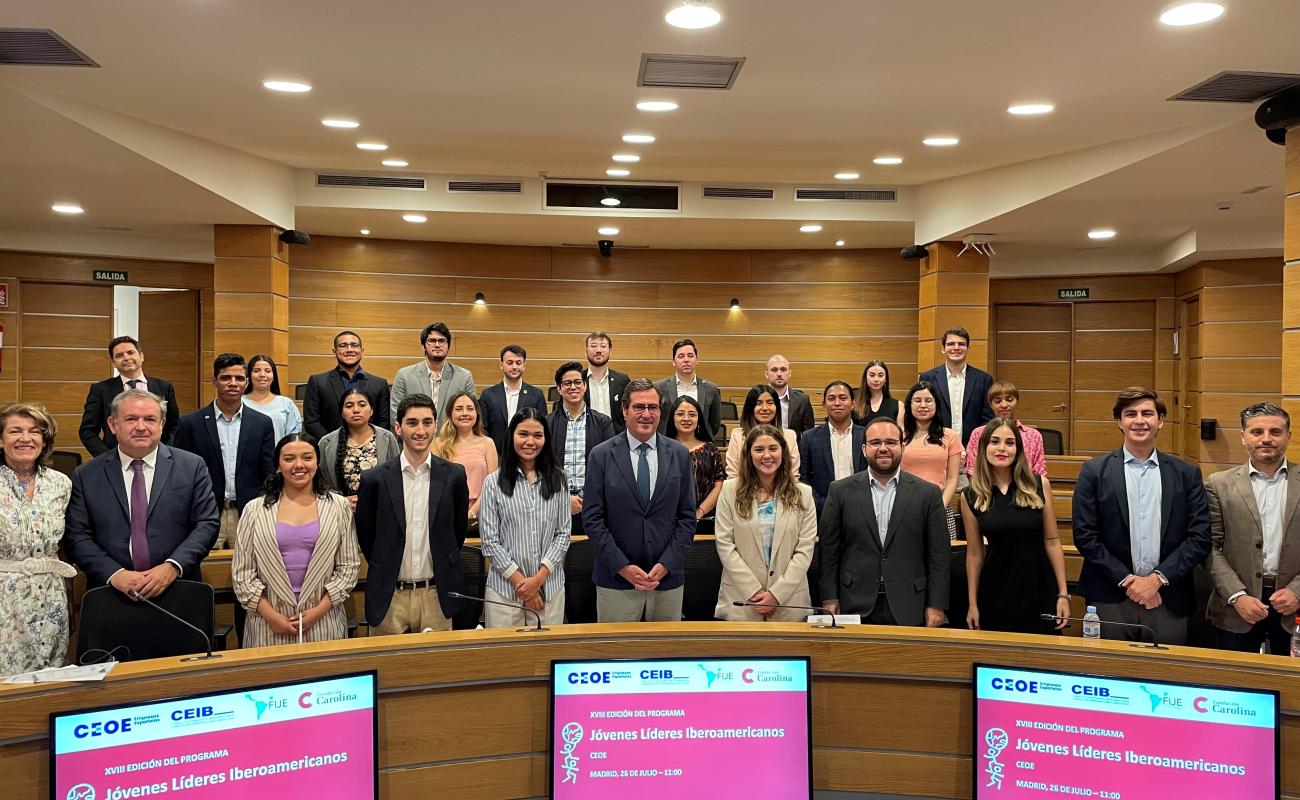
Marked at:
<point>422,258</point>
<point>1242,375</point>
<point>1226,303</point>
<point>1238,338</point>
<point>169,330</point>
<point>1032,346</point>
<point>1035,373</point>
<point>1114,375</point>
<point>1291,229</point>
<point>1123,345</point>
<point>1033,318</point>
<point>1102,288</point>
<point>1092,316</point>
<point>72,269</point>
<point>665,265</point>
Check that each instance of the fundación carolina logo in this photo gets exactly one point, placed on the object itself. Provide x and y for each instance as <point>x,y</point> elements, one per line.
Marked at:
<point>997,741</point>
<point>82,791</point>
<point>572,735</point>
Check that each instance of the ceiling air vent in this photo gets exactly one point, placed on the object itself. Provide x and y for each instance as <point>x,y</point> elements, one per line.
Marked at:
<point>739,193</point>
<point>39,47</point>
<point>855,195</point>
<point>370,182</point>
<point>688,72</point>
<point>1239,87</point>
<point>486,187</point>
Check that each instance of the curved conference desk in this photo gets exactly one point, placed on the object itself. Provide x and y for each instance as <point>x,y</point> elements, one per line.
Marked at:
<point>464,714</point>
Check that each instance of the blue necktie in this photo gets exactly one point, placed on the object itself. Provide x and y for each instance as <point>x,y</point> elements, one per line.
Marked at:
<point>643,474</point>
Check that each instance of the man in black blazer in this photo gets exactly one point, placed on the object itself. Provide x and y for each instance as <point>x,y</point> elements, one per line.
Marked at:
<point>236,442</point>
<point>884,540</point>
<point>501,401</point>
<point>833,451</point>
<point>955,375</point>
<point>605,385</point>
<point>684,380</point>
<point>796,408</point>
<point>140,526</point>
<point>413,548</point>
<point>128,359</point>
<point>320,405</point>
<point>586,427</point>
<point>1142,525</point>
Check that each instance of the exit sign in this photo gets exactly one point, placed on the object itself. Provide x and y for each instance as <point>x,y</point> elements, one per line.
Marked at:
<point>109,276</point>
<point>1073,294</point>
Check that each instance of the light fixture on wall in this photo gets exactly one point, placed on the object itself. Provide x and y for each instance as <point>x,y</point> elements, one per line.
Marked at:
<point>735,304</point>
<point>479,299</point>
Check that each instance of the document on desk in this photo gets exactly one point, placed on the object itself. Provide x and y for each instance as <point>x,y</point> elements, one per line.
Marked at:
<point>72,672</point>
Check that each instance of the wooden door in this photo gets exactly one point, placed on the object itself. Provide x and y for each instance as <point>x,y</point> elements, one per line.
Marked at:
<point>1114,348</point>
<point>1033,351</point>
<point>64,335</point>
<point>169,336</point>
<point>1186,405</point>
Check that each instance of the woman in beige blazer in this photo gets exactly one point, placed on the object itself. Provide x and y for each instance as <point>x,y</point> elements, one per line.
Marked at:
<point>765,531</point>
<point>296,555</point>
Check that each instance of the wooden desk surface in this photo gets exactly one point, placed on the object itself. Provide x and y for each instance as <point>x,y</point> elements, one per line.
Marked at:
<point>464,714</point>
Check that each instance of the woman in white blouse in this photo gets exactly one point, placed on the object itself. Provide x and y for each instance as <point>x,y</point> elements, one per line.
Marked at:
<point>263,394</point>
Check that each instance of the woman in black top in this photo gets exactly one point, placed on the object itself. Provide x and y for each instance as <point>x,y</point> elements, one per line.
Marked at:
<point>687,425</point>
<point>873,396</point>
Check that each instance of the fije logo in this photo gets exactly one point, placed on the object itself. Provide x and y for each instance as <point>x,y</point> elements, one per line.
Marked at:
<point>263,705</point>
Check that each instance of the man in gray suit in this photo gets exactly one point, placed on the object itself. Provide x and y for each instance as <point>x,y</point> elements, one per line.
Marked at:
<point>435,376</point>
<point>1255,559</point>
<point>884,540</point>
<point>684,381</point>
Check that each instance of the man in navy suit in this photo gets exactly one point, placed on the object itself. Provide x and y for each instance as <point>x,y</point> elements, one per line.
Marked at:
<point>142,514</point>
<point>831,452</point>
<point>236,442</point>
<point>1142,525</point>
<point>962,390</point>
<point>638,507</point>
<point>501,401</point>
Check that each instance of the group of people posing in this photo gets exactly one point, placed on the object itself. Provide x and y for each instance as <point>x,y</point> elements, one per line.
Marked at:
<point>404,473</point>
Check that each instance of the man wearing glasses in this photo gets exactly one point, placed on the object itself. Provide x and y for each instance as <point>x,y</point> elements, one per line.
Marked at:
<point>573,430</point>
<point>435,376</point>
<point>320,406</point>
<point>638,507</point>
<point>884,539</point>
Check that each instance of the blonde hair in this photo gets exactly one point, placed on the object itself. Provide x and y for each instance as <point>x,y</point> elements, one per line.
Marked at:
<point>1025,485</point>
<point>44,423</point>
<point>444,446</point>
<point>785,489</point>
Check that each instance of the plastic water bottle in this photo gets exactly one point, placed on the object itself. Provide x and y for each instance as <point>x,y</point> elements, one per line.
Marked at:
<point>1092,626</point>
<point>1295,640</point>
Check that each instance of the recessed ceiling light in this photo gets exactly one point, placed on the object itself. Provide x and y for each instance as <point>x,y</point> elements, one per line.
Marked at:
<point>415,218</point>
<point>1031,109</point>
<point>371,146</point>
<point>1191,14</point>
<point>638,138</point>
<point>615,172</point>
<point>1101,233</point>
<point>809,228</point>
<point>846,176</point>
<point>607,231</point>
<point>887,161</point>
<point>67,208</point>
<point>839,242</point>
<point>626,158</point>
<point>656,105</point>
<point>395,162</point>
<point>610,201</point>
<point>693,15</point>
<point>940,141</point>
<point>365,231</point>
<point>292,87</point>
<point>340,123</point>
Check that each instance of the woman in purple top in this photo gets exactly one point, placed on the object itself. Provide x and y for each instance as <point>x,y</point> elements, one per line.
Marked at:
<point>296,554</point>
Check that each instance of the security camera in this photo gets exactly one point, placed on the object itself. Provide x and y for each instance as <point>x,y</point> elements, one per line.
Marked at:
<point>606,247</point>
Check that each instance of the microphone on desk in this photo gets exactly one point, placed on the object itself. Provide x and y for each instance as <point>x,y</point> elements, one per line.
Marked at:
<point>520,606</point>
<point>818,609</point>
<point>1155,644</point>
<point>134,595</point>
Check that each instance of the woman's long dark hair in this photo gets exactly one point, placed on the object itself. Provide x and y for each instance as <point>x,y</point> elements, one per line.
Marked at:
<point>747,420</point>
<point>862,406</point>
<point>935,434</point>
<point>275,373</point>
<point>548,470</point>
<point>702,431</point>
<point>274,485</point>
<point>341,453</point>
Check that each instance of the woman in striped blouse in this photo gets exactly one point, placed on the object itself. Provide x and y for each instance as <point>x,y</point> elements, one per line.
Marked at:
<point>525,523</point>
<point>296,555</point>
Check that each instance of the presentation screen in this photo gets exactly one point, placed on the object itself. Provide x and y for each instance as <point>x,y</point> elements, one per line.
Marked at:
<point>681,728</point>
<point>1045,734</point>
<point>308,739</point>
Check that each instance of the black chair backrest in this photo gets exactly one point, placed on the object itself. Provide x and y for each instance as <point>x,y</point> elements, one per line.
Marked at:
<point>729,411</point>
<point>111,620</point>
<point>1053,442</point>
<point>300,392</point>
<point>703,577</point>
<point>579,591</point>
<point>553,395</point>
<point>65,461</point>
<point>473,568</point>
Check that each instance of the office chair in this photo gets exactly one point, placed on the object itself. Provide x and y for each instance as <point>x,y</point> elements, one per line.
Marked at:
<point>132,630</point>
<point>300,392</point>
<point>704,575</point>
<point>579,591</point>
<point>1053,442</point>
<point>473,568</point>
<point>65,461</point>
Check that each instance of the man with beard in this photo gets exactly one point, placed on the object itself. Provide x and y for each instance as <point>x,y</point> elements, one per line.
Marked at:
<point>605,386</point>
<point>884,539</point>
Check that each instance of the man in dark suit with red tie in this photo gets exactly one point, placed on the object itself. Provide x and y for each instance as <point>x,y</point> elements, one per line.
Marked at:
<point>128,359</point>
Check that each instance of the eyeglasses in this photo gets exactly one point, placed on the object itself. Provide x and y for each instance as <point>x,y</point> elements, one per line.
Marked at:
<point>576,384</point>
<point>644,408</point>
<point>436,340</point>
<point>347,346</point>
<point>877,443</point>
<point>922,401</point>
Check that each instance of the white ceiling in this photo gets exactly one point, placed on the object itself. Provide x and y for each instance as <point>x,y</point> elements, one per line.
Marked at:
<point>508,88</point>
